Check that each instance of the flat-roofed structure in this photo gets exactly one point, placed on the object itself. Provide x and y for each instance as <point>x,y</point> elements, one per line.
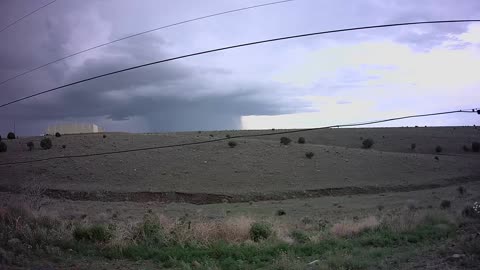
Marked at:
<point>73,128</point>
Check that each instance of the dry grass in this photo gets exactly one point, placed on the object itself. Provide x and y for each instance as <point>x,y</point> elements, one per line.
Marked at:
<point>350,227</point>
<point>409,220</point>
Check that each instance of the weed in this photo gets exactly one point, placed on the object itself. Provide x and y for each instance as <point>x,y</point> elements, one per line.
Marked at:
<point>260,231</point>
<point>3,147</point>
<point>367,143</point>
<point>46,143</point>
<point>30,146</point>
<point>445,204</point>
<point>285,140</point>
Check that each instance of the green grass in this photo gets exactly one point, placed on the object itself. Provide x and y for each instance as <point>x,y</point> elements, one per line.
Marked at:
<point>360,252</point>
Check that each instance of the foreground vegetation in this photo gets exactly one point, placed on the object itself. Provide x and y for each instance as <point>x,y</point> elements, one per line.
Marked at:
<point>231,243</point>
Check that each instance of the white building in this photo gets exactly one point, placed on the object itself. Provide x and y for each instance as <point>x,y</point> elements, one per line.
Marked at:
<point>73,128</point>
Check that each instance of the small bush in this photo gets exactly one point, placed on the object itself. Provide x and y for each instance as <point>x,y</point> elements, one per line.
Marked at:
<point>367,143</point>
<point>46,143</point>
<point>285,140</point>
<point>260,231</point>
<point>301,140</point>
<point>3,147</point>
<point>227,136</point>
<point>11,136</point>
<point>281,212</point>
<point>475,146</point>
<point>413,146</point>
<point>445,204</point>
<point>30,146</point>
<point>57,134</point>
<point>299,236</point>
<point>438,149</point>
<point>461,190</point>
<point>95,233</point>
<point>104,136</point>
<point>232,144</point>
<point>64,146</point>
<point>465,148</point>
<point>309,155</point>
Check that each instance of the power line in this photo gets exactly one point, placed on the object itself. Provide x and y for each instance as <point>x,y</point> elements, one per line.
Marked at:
<point>11,24</point>
<point>232,47</point>
<point>141,33</point>
<point>236,137</point>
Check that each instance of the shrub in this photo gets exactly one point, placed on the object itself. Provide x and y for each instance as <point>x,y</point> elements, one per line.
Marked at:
<point>104,136</point>
<point>461,190</point>
<point>64,146</point>
<point>301,140</point>
<point>57,134</point>
<point>299,236</point>
<point>11,136</point>
<point>281,212</point>
<point>465,148</point>
<point>350,228</point>
<point>438,149</point>
<point>309,155</point>
<point>30,146</point>
<point>232,144</point>
<point>151,232</point>
<point>367,143</point>
<point>413,146</point>
<point>260,231</point>
<point>285,140</point>
<point>475,146</point>
<point>227,136</point>
<point>445,204</point>
<point>46,143</point>
<point>95,233</point>
<point>3,147</point>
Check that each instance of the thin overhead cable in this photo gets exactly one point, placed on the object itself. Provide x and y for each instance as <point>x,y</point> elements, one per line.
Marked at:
<point>235,46</point>
<point>138,34</point>
<point>16,21</point>
<point>234,137</point>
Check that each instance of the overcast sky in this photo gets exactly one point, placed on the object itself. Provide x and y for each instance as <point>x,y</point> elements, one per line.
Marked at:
<point>307,82</point>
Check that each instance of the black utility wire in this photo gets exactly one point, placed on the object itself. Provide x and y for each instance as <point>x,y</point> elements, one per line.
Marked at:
<point>232,47</point>
<point>138,34</point>
<point>233,137</point>
<point>13,23</point>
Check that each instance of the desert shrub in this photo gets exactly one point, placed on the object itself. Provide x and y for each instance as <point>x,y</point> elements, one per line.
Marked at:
<point>299,236</point>
<point>260,231</point>
<point>367,143</point>
<point>3,147</point>
<point>11,136</point>
<point>350,228</point>
<point>475,146</point>
<point>150,232</point>
<point>461,190</point>
<point>309,155</point>
<point>57,134</point>
<point>301,140</point>
<point>104,136</point>
<point>281,212</point>
<point>232,144</point>
<point>94,233</point>
<point>413,146</point>
<point>445,204</point>
<point>438,149</point>
<point>46,143</point>
<point>285,140</point>
<point>64,146</point>
<point>380,207</point>
<point>465,148</point>
<point>227,136</point>
<point>30,146</point>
